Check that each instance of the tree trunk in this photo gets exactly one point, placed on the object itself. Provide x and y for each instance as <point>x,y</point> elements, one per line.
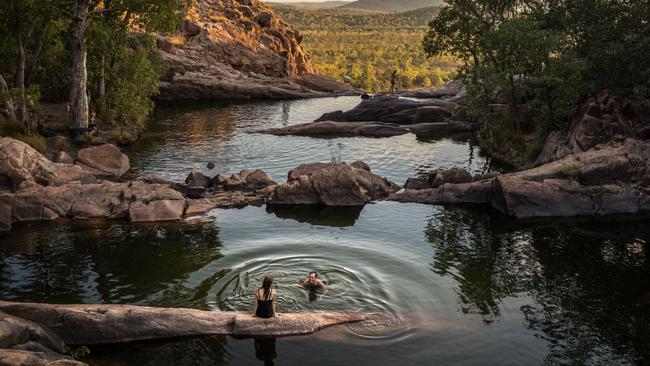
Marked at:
<point>78,96</point>
<point>9,103</point>
<point>513,104</point>
<point>101,80</point>
<point>20,85</point>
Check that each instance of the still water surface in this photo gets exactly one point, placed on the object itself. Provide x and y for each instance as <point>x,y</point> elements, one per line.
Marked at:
<point>441,285</point>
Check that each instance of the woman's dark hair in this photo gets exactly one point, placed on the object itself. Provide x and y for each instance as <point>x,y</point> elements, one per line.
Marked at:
<point>266,286</point>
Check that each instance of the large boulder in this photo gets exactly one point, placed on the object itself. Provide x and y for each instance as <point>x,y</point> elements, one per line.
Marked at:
<point>431,114</point>
<point>439,177</point>
<point>599,120</point>
<point>20,164</point>
<point>197,179</point>
<point>154,202</point>
<point>331,128</point>
<point>463,193</point>
<point>6,211</point>
<point>109,324</point>
<point>105,160</point>
<point>331,184</point>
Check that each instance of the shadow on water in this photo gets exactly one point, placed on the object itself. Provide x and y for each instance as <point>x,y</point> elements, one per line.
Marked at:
<point>102,262</point>
<point>318,215</point>
<point>585,278</point>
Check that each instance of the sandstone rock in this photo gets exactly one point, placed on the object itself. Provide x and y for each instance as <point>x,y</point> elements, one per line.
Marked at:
<point>405,117</point>
<point>219,180</point>
<point>63,158</point>
<point>464,193</point>
<point>437,178</point>
<point>27,358</point>
<point>442,128</point>
<point>331,184</point>
<point>24,330</point>
<point>105,160</point>
<point>416,183</point>
<point>264,19</point>
<point>197,179</point>
<point>238,50</point>
<point>21,164</point>
<point>360,165</point>
<point>258,179</point>
<point>106,324</point>
<point>151,202</point>
<point>599,120</point>
<point>104,200</point>
<point>6,211</point>
<point>34,347</point>
<point>522,199</point>
<point>431,114</point>
<point>329,128</point>
<point>190,28</point>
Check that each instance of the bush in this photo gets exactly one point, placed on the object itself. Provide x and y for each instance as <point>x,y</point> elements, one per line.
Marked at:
<point>571,171</point>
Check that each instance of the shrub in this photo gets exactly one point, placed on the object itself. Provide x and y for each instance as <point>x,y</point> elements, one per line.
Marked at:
<point>571,171</point>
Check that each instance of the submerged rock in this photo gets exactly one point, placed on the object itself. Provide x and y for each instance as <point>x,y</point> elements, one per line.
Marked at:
<point>107,324</point>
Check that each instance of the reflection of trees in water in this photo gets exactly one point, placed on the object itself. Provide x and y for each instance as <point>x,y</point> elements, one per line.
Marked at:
<point>177,352</point>
<point>109,262</point>
<point>584,279</point>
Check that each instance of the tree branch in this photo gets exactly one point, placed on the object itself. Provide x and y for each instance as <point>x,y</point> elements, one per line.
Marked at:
<point>63,11</point>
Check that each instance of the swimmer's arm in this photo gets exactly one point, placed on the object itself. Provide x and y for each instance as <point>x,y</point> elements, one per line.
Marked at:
<point>275,313</point>
<point>305,283</point>
<point>321,284</point>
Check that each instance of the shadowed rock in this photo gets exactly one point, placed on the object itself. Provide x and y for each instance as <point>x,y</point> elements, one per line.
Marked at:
<point>106,324</point>
<point>11,357</point>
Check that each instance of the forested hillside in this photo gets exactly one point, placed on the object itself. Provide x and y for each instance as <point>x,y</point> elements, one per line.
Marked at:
<point>391,6</point>
<point>368,47</point>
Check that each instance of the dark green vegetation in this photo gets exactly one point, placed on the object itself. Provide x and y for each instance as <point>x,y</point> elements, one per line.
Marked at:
<point>310,5</point>
<point>541,58</point>
<point>56,50</point>
<point>390,6</point>
<point>368,47</point>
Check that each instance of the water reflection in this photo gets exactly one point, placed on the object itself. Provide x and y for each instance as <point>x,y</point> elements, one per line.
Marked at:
<point>265,350</point>
<point>102,262</point>
<point>318,214</point>
<point>584,279</point>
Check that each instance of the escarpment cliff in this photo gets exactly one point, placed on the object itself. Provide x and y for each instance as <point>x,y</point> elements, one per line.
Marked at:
<point>238,49</point>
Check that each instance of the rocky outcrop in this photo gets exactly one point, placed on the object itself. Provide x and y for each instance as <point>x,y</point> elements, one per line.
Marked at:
<point>393,109</point>
<point>600,120</point>
<point>610,179</point>
<point>108,324</point>
<point>330,184</point>
<point>238,49</point>
<point>370,129</point>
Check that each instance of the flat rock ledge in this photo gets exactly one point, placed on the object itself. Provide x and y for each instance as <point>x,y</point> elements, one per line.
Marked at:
<point>35,334</point>
<point>371,129</point>
<point>610,179</point>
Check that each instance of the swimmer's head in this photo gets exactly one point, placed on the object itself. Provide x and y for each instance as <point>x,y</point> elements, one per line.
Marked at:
<point>313,275</point>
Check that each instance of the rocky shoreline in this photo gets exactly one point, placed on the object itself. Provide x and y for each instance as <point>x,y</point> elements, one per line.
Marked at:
<point>37,334</point>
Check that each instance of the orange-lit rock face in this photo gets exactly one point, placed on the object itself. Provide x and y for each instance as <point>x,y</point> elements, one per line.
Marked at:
<point>238,49</point>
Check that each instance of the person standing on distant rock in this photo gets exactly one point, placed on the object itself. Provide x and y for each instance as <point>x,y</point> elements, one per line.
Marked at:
<point>393,81</point>
<point>264,304</point>
<point>313,282</point>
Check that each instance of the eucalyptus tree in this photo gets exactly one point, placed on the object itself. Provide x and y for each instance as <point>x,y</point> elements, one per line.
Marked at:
<point>140,15</point>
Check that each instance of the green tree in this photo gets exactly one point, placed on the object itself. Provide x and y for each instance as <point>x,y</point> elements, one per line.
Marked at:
<point>146,15</point>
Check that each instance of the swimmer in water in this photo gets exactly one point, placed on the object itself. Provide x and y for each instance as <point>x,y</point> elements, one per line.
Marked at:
<point>313,282</point>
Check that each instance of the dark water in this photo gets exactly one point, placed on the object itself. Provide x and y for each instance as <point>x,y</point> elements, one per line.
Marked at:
<point>440,285</point>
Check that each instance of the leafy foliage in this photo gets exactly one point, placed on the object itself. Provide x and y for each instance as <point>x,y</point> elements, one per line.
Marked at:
<point>540,58</point>
<point>368,47</point>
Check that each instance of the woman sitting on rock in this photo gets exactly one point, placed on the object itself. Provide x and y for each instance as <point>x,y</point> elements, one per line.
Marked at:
<point>264,305</point>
